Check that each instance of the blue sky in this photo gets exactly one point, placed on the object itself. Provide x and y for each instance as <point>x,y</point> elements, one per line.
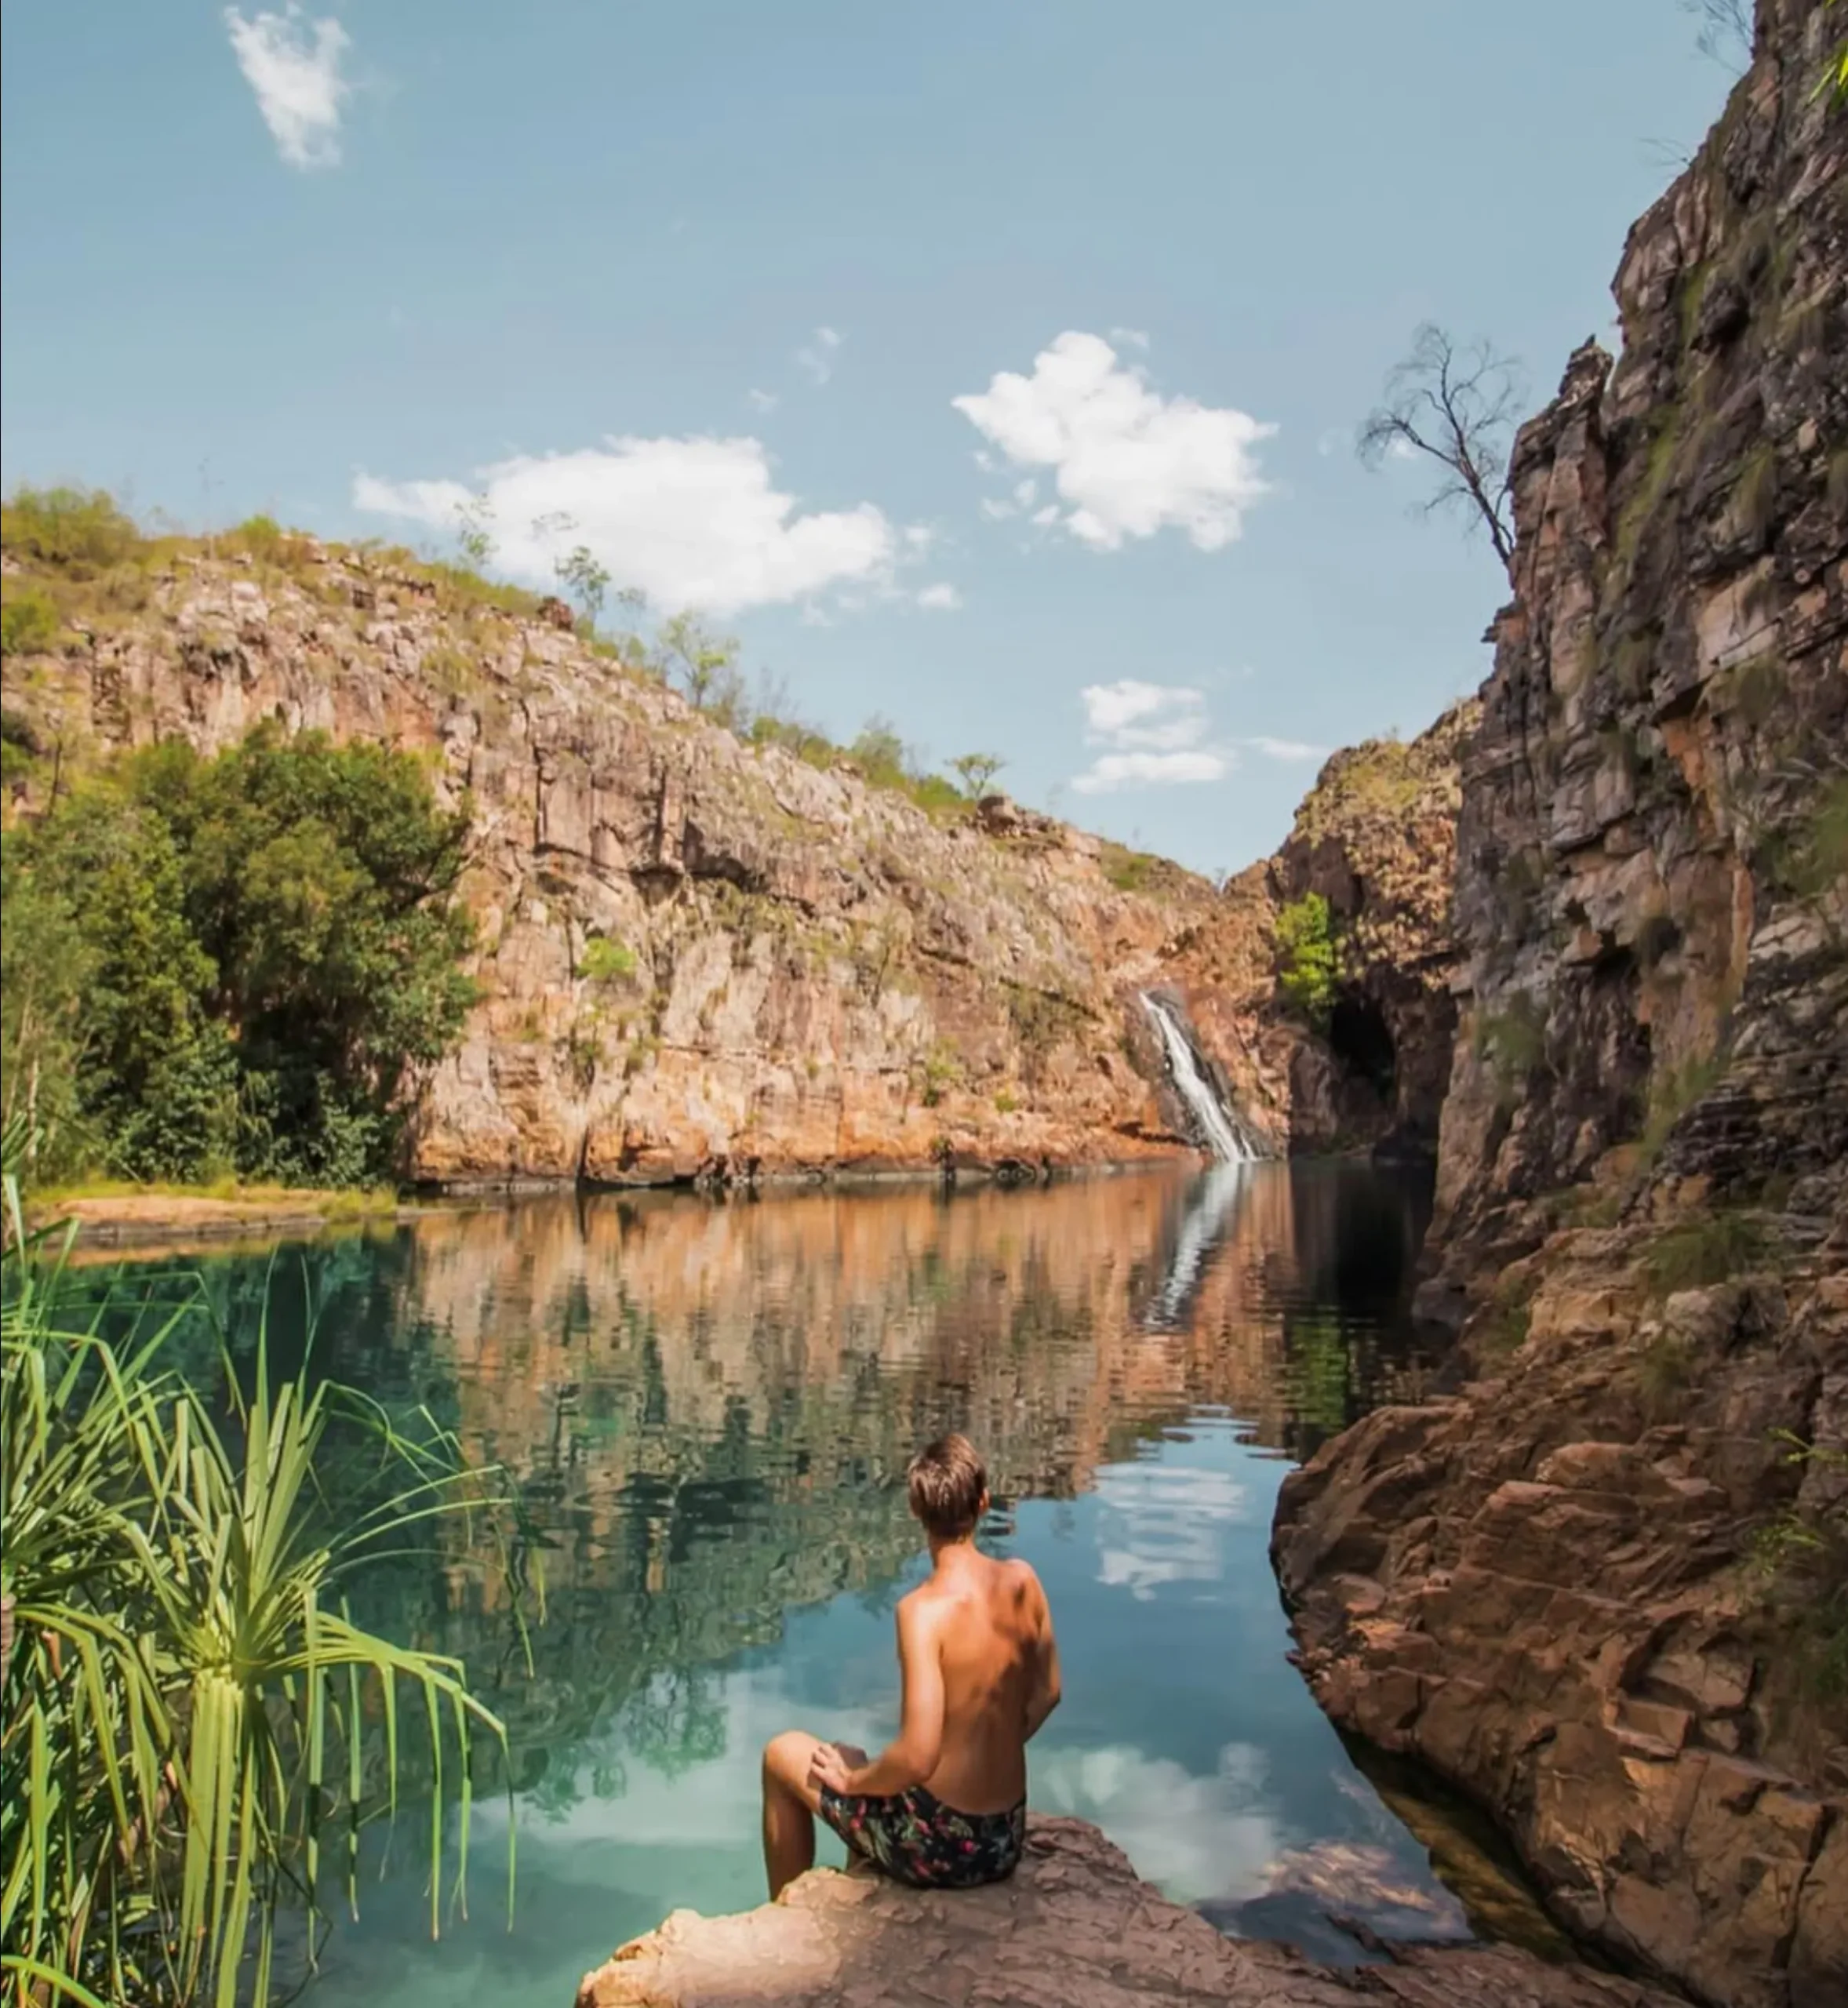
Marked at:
<point>745,290</point>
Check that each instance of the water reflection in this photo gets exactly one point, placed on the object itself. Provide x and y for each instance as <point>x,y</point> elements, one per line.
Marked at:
<point>704,1411</point>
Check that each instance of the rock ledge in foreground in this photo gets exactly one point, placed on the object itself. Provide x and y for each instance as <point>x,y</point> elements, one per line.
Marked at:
<point>1075,1929</point>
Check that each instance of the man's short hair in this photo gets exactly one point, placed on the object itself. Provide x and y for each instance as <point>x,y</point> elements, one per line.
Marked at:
<point>947,1480</point>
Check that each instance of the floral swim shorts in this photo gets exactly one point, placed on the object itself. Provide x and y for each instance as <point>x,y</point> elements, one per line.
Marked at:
<point>915,1839</point>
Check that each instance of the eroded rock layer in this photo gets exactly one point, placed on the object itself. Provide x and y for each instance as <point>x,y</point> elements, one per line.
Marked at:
<point>1606,1589</point>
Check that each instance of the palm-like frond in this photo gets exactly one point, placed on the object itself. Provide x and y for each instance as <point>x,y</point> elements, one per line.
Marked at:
<point>181,1667</point>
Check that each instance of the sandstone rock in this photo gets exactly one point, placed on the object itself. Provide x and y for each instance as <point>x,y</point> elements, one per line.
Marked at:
<point>693,951</point>
<point>1552,1590</point>
<point>1376,837</point>
<point>1075,1929</point>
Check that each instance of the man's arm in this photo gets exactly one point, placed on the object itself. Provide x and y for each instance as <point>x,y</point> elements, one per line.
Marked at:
<point>1045,1690</point>
<point>910,1758</point>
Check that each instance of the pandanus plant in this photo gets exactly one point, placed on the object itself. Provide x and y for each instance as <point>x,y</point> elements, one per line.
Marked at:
<point>189,1710</point>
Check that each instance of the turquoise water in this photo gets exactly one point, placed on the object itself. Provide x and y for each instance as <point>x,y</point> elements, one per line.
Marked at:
<point>705,1410</point>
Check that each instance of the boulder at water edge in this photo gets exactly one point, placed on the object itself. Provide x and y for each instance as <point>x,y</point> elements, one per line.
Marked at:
<point>1075,1928</point>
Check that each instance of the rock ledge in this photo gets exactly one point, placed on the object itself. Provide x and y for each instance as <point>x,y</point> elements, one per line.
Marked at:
<point>1075,1929</point>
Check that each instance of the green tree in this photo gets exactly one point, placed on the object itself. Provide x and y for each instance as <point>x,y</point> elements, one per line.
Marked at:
<point>584,579</point>
<point>1309,959</point>
<point>879,753</point>
<point>976,771</point>
<point>705,665</point>
<point>44,970</point>
<point>474,532</point>
<point>269,951</point>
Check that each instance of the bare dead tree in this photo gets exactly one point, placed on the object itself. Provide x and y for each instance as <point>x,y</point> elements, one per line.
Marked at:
<point>1725,32</point>
<point>1458,407</point>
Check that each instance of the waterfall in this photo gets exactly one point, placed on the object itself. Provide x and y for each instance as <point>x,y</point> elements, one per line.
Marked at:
<point>1224,1136</point>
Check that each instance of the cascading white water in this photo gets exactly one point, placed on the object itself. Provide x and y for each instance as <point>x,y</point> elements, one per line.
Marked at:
<point>1225,1137</point>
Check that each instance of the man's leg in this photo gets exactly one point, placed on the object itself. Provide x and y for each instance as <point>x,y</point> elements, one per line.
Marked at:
<point>791,1805</point>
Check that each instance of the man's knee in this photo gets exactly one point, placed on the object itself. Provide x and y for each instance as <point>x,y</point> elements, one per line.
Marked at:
<point>786,1759</point>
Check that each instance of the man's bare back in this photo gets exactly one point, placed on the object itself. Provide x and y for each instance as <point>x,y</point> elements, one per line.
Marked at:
<point>987,1625</point>
<point>944,1805</point>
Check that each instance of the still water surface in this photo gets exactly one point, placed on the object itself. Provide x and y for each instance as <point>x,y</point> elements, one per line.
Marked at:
<point>706,1410</point>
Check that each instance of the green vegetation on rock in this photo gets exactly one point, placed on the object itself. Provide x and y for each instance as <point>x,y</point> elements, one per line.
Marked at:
<point>1309,957</point>
<point>234,965</point>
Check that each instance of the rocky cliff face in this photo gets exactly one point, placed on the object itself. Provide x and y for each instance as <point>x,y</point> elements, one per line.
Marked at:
<point>697,956</point>
<point>1607,1590</point>
<point>1376,837</point>
<point>700,957</point>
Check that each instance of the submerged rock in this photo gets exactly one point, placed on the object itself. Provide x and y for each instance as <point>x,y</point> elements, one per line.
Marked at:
<point>1075,1929</point>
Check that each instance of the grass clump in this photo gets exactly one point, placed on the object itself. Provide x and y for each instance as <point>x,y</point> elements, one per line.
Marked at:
<point>1755,495</point>
<point>1512,1044</point>
<point>1502,1329</point>
<point>1308,958</point>
<point>1801,1556</point>
<point>1664,1374</point>
<point>605,961</point>
<point>1708,1249</point>
<point>940,1075</point>
<point>1673,1091</point>
<point>1140,872</point>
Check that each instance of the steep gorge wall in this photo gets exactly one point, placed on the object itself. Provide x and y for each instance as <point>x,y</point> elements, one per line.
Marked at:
<point>1558,1588</point>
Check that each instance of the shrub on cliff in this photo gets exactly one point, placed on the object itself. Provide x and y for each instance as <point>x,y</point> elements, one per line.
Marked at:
<point>76,531</point>
<point>1309,959</point>
<point>28,620</point>
<point>234,963</point>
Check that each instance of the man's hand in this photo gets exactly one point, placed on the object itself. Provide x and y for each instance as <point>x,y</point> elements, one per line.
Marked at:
<point>832,1769</point>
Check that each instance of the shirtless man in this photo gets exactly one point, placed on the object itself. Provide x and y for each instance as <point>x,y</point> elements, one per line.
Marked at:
<point>945,1806</point>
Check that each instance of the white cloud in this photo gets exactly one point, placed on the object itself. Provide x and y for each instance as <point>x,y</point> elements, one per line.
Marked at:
<point>1110,771</point>
<point>692,522</point>
<point>1157,734</point>
<point>1130,337</point>
<point>1153,734</point>
<point>1130,713</point>
<point>294,67</point>
<point>763,400</point>
<point>940,598</point>
<point>1126,462</point>
<point>816,355</point>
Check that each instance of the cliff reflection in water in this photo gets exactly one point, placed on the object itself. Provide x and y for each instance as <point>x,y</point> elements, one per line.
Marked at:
<point>703,1413</point>
<point>704,1410</point>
